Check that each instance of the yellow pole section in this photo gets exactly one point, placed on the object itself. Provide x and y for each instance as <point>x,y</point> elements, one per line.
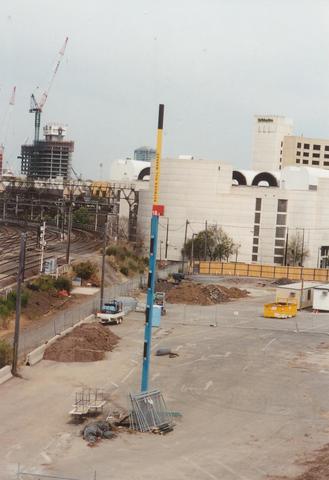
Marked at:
<point>158,156</point>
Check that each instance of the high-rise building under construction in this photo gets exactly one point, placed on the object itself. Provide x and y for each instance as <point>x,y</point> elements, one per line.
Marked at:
<point>49,158</point>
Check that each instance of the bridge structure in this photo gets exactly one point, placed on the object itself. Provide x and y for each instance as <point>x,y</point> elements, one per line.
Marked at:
<point>54,200</point>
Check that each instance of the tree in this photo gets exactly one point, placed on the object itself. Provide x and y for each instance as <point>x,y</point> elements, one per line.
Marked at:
<point>296,251</point>
<point>216,243</point>
<point>81,216</point>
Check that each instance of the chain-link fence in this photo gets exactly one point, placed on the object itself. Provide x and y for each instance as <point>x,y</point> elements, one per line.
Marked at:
<point>39,334</point>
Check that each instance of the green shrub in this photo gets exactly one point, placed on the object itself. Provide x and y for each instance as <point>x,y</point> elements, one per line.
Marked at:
<point>124,270</point>
<point>63,283</point>
<point>45,283</point>
<point>5,353</point>
<point>112,250</point>
<point>85,270</point>
<point>8,305</point>
<point>132,265</point>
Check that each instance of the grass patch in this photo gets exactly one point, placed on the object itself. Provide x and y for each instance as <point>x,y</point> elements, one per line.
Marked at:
<point>124,259</point>
<point>6,353</point>
<point>8,306</point>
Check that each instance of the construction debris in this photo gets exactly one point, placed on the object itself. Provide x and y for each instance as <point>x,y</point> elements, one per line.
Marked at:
<point>166,351</point>
<point>88,402</point>
<point>149,413</point>
<point>96,430</point>
<point>193,293</point>
<point>85,343</point>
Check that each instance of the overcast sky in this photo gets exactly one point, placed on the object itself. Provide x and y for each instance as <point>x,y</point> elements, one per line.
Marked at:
<point>213,63</point>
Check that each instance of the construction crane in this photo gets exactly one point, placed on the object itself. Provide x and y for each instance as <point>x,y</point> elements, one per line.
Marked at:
<point>5,125</point>
<point>36,107</point>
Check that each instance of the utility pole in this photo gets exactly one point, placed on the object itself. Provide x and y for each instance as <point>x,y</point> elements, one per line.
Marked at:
<point>4,207</point>
<point>96,217</point>
<point>42,243</point>
<point>205,240</point>
<point>167,235</point>
<point>18,302</point>
<point>101,300</point>
<point>69,228</point>
<point>302,252</point>
<point>192,251</point>
<point>185,238</point>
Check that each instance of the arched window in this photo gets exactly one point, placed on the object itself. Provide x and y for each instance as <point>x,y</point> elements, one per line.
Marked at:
<point>238,178</point>
<point>265,179</point>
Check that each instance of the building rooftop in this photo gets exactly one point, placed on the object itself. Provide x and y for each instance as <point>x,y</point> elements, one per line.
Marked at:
<point>299,285</point>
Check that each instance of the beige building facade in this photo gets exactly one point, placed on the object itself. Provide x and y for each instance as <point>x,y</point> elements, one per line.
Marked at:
<point>257,217</point>
<point>305,151</point>
<point>268,134</point>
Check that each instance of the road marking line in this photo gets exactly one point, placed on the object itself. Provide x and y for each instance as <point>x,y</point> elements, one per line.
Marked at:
<point>268,344</point>
<point>128,375</point>
<point>210,475</point>
<point>229,469</point>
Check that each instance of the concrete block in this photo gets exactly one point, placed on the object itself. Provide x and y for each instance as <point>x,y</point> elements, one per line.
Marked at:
<point>5,374</point>
<point>36,355</point>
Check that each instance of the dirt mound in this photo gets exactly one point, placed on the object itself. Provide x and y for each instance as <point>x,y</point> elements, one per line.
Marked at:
<point>283,281</point>
<point>317,468</point>
<point>192,293</point>
<point>86,343</point>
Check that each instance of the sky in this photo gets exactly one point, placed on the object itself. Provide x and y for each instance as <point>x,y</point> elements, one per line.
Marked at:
<point>213,63</point>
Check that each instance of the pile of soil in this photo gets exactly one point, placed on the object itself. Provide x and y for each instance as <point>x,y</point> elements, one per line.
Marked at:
<point>192,293</point>
<point>86,343</point>
<point>317,467</point>
<point>283,281</point>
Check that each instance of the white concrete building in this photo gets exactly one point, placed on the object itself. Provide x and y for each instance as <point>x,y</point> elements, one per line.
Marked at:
<point>269,132</point>
<point>129,170</point>
<point>255,216</point>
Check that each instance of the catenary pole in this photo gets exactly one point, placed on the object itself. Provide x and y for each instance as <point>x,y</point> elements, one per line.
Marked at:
<point>101,300</point>
<point>185,239</point>
<point>18,302</point>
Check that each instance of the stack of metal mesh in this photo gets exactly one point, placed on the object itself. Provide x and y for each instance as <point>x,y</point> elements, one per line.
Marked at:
<point>149,413</point>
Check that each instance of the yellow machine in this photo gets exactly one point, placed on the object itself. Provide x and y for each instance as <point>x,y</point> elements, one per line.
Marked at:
<point>280,310</point>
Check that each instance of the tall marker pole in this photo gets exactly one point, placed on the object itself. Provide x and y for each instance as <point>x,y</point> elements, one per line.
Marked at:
<point>157,210</point>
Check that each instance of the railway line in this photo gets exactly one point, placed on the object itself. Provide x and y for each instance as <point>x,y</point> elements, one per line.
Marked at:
<point>82,242</point>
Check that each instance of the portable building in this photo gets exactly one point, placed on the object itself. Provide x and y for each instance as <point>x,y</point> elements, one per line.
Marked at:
<point>300,293</point>
<point>321,297</point>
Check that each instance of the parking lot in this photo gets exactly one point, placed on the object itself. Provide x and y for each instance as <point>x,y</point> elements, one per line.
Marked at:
<point>253,394</point>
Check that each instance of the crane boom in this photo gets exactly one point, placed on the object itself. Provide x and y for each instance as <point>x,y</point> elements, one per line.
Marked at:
<point>45,94</point>
<point>36,107</point>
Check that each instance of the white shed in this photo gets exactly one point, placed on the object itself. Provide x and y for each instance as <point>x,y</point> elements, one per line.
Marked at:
<point>300,293</point>
<point>321,297</point>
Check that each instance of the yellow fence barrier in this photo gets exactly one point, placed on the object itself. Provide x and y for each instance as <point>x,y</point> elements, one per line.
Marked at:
<point>260,271</point>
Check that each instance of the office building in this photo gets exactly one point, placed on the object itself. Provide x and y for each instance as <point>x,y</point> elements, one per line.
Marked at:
<point>312,152</point>
<point>268,134</point>
<point>49,158</point>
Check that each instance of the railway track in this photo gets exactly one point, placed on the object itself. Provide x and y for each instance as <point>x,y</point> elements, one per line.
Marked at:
<point>82,242</point>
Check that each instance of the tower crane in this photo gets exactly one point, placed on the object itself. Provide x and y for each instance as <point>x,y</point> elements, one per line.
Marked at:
<point>4,126</point>
<point>37,106</point>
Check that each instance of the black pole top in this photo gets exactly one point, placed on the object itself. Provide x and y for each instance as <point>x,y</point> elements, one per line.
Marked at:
<point>160,119</point>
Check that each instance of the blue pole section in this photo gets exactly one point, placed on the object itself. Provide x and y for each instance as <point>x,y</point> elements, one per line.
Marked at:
<point>149,303</point>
